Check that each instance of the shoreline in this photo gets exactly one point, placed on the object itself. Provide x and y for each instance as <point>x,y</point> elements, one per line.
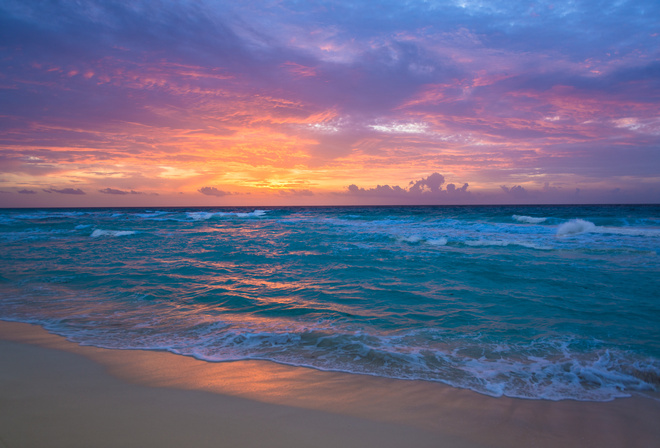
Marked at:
<point>297,406</point>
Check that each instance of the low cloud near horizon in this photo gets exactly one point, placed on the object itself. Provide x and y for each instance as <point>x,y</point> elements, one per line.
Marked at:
<point>213,191</point>
<point>294,192</point>
<point>65,191</point>
<point>118,192</point>
<point>430,187</point>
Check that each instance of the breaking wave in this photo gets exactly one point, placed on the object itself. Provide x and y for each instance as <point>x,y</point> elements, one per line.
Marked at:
<point>529,219</point>
<point>99,233</point>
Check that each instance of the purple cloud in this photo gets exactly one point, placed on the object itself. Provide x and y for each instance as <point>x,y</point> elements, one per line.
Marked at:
<point>294,192</point>
<point>516,191</point>
<point>428,188</point>
<point>118,192</point>
<point>432,184</point>
<point>65,191</point>
<point>213,191</point>
<point>379,190</point>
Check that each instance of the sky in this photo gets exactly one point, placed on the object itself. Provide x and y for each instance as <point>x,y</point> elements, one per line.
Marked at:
<point>194,103</point>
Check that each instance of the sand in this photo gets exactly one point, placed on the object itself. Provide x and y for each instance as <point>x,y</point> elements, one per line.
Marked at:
<point>54,393</point>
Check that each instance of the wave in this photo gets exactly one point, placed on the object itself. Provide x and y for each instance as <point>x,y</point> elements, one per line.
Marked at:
<point>5,220</point>
<point>151,214</point>
<point>529,219</point>
<point>111,233</point>
<point>410,239</point>
<point>437,241</point>
<point>204,216</point>
<point>414,239</point>
<point>40,215</point>
<point>578,226</point>
<point>549,369</point>
<point>575,226</point>
<point>597,376</point>
<point>500,243</point>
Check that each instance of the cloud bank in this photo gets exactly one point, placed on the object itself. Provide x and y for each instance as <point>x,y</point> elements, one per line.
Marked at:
<point>76,191</point>
<point>428,188</point>
<point>118,192</point>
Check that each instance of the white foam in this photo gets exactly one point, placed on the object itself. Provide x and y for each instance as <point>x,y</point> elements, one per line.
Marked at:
<point>438,242</point>
<point>575,226</point>
<point>500,243</point>
<point>98,233</point>
<point>200,216</point>
<point>409,239</point>
<point>254,214</point>
<point>479,243</point>
<point>540,378</point>
<point>529,219</point>
<point>578,226</point>
<point>545,369</point>
<point>203,216</point>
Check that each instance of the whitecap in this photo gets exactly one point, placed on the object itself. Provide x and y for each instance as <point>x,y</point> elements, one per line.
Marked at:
<point>479,243</point>
<point>254,214</point>
<point>203,216</point>
<point>98,233</point>
<point>501,243</point>
<point>575,226</point>
<point>200,216</point>
<point>529,219</point>
<point>409,239</point>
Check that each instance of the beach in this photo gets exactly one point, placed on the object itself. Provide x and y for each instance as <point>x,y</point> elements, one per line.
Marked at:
<point>56,393</point>
<point>329,224</point>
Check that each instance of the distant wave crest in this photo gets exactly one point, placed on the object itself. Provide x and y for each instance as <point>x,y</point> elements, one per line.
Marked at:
<point>529,219</point>
<point>578,226</point>
<point>99,233</point>
<point>203,216</point>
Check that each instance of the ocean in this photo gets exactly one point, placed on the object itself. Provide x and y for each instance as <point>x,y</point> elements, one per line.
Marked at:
<point>535,302</point>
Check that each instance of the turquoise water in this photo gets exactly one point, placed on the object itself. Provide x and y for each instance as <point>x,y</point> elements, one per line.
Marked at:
<point>539,302</point>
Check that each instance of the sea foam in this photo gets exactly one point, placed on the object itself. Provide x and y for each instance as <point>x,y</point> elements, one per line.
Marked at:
<point>529,219</point>
<point>98,233</point>
<point>204,216</point>
<point>438,241</point>
<point>575,226</point>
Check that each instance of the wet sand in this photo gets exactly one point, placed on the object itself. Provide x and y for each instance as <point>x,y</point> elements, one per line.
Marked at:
<point>54,393</point>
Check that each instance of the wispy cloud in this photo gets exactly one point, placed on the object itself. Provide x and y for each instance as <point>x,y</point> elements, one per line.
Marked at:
<point>118,192</point>
<point>294,192</point>
<point>76,191</point>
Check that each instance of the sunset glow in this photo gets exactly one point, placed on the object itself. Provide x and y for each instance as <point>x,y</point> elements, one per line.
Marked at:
<point>278,102</point>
